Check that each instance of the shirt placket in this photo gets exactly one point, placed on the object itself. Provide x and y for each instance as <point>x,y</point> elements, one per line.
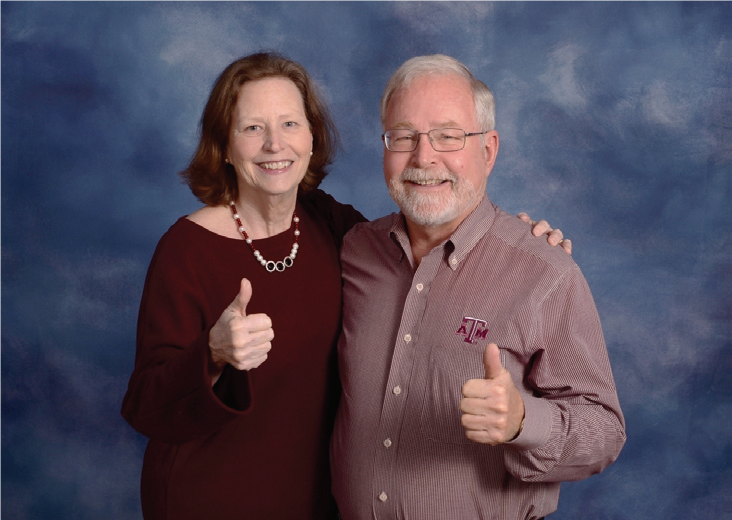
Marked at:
<point>399,387</point>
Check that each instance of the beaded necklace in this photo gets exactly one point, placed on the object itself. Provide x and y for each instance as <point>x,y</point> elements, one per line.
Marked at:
<point>269,265</point>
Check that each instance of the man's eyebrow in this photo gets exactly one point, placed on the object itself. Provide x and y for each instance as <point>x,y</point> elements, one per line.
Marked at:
<point>407,125</point>
<point>447,124</point>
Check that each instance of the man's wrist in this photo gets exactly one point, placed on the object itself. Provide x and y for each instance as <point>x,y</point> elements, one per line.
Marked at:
<point>520,429</point>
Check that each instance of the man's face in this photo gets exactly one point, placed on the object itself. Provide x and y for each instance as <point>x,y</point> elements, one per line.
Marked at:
<point>437,189</point>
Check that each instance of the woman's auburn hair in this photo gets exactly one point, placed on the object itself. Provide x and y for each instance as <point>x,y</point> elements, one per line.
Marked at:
<point>209,177</point>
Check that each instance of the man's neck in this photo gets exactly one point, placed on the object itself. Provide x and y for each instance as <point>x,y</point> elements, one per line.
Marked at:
<point>424,239</point>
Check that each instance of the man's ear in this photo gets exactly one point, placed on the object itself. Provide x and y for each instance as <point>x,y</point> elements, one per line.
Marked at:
<point>491,150</point>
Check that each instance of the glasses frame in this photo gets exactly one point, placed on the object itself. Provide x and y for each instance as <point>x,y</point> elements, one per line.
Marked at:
<point>429,138</point>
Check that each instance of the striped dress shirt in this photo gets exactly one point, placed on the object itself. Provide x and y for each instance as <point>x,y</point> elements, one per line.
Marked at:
<point>413,335</point>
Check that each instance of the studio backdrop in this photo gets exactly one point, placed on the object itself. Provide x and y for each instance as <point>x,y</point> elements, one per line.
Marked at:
<point>615,124</point>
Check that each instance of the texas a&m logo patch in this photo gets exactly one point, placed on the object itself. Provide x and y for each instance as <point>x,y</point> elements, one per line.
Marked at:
<point>473,329</point>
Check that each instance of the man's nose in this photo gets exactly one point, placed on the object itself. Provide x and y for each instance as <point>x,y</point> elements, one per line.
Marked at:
<point>424,154</point>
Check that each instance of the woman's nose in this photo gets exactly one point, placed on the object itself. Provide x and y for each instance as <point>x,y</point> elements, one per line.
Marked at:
<point>272,140</point>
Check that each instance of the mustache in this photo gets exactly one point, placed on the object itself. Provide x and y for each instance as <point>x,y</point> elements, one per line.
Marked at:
<point>425,175</point>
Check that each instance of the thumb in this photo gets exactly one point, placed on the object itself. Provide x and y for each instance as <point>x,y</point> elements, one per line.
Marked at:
<point>242,299</point>
<point>492,361</point>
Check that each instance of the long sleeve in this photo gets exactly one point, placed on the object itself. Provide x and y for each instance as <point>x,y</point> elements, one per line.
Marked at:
<point>574,427</point>
<point>170,397</point>
<point>339,218</point>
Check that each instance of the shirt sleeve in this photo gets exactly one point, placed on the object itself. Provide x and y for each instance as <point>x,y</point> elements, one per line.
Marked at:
<point>573,427</point>
<point>340,218</point>
<point>169,396</point>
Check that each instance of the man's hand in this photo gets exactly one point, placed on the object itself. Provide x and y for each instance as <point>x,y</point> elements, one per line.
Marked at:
<point>493,408</point>
<point>238,339</point>
<point>542,227</point>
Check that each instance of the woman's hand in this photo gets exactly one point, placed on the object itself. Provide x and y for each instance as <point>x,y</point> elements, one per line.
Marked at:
<point>542,227</point>
<point>238,339</point>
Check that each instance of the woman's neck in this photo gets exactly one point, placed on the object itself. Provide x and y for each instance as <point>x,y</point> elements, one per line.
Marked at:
<point>266,217</point>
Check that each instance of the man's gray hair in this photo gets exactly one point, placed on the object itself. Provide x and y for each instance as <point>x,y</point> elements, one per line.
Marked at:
<point>439,64</point>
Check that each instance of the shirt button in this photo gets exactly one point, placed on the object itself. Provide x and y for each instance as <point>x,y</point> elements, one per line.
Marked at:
<point>453,261</point>
<point>387,443</point>
<point>397,390</point>
<point>383,497</point>
<point>420,287</point>
<point>407,338</point>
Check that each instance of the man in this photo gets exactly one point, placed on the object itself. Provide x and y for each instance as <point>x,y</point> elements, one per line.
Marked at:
<point>475,374</point>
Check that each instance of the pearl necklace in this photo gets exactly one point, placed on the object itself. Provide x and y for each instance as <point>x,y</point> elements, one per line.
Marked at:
<point>269,265</point>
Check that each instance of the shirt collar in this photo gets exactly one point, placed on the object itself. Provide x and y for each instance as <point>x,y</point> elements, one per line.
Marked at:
<point>399,235</point>
<point>460,243</point>
<point>470,231</point>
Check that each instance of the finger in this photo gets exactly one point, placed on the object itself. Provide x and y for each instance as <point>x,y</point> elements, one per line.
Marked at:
<point>251,350</point>
<point>475,391</point>
<point>525,217</point>
<point>483,437</point>
<point>473,402</point>
<point>477,436</point>
<point>540,228</point>
<point>243,342</point>
<point>555,236</point>
<point>472,422</point>
<point>259,338</point>
<point>258,362</point>
<point>477,429</point>
<point>254,323</point>
<point>567,245</point>
<point>483,422</point>
<point>239,305</point>
<point>492,361</point>
<point>251,360</point>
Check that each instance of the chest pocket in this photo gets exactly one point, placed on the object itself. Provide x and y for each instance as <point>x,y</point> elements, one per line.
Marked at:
<point>449,368</point>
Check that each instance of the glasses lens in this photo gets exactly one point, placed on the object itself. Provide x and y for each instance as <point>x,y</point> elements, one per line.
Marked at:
<point>401,140</point>
<point>447,139</point>
<point>441,139</point>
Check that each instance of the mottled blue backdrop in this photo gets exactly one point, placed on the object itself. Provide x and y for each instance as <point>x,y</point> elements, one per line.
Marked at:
<point>615,122</point>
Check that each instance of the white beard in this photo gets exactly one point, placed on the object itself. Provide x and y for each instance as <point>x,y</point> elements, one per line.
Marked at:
<point>433,209</point>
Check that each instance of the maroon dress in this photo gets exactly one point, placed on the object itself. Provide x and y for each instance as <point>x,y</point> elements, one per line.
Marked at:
<point>255,445</point>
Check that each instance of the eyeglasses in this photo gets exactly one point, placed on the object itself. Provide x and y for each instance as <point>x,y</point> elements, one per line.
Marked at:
<point>441,139</point>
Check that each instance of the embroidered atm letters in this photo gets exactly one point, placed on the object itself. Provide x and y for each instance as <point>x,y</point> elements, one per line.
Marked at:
<point>473,329</point>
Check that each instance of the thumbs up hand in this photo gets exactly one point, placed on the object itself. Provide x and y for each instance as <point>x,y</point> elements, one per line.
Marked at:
<point>493,409</point>
<point>238,339</point>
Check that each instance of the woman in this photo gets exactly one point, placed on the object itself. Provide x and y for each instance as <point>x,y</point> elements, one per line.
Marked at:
<point>239,419</point>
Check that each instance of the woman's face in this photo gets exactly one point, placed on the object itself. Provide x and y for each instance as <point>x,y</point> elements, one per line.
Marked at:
<point>270,142</point>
